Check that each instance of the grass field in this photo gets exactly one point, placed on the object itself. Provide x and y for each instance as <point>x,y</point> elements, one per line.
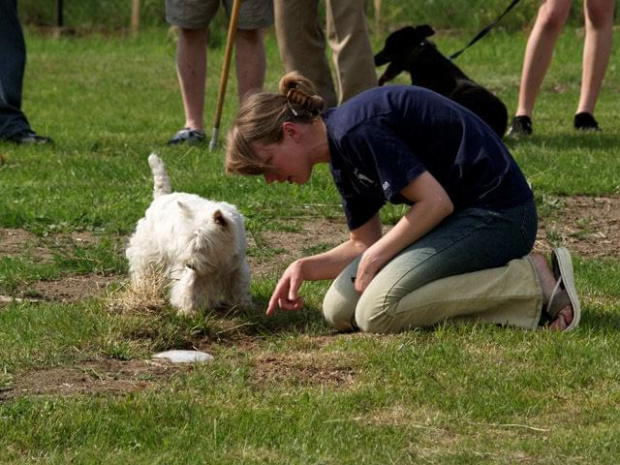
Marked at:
<point>77,380</point>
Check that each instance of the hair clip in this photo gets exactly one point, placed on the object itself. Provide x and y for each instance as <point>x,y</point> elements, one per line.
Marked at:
<point>291,107</point>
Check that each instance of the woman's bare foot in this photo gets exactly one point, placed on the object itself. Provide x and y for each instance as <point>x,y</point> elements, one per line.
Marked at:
<point>563,319</point>
<point>547,280</point>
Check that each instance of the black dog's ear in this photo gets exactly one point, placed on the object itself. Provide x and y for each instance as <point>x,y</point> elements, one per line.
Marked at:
<point>425,30</point>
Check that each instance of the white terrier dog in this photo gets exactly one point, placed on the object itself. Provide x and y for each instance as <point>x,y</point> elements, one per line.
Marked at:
<point>199,244</point>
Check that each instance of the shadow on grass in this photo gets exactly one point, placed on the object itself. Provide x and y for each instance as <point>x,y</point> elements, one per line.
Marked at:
<point>599,140</point>
<point>256,323</point>
<point>600,322</point>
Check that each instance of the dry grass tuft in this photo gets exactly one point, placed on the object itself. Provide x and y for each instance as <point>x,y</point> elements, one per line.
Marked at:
<point>147,298</point>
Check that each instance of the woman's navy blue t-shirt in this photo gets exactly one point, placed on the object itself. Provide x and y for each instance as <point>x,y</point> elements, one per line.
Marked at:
<point>385,137</point>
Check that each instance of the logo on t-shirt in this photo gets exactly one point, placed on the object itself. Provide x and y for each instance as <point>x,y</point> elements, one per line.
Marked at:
<point>386,186</point>
<point>363,179</point>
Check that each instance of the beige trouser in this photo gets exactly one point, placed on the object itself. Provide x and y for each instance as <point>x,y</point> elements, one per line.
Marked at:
<point>510,295</point>
<point>302,45</point>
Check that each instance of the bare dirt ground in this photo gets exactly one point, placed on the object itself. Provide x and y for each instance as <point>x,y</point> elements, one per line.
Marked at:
<point>589,226</point>
<point>100,376</point>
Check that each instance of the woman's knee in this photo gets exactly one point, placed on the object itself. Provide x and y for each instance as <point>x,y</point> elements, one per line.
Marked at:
<point>338,310</point>
<point>372,317</point>
<point>600,13</point>
<point>552,16</point>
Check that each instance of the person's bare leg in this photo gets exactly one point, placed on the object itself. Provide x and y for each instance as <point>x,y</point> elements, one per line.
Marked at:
<point>547,283</point>
<point>191,60</point>
<point>551,18</point>
<point>250,61</point>
<point>599,20</point>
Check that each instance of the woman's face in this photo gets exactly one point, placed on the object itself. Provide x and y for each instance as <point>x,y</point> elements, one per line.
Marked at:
<point>288,160</point>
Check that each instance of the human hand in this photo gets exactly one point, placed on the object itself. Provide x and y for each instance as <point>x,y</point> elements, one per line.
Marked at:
<point>285,294</point>
<point>367,269</point>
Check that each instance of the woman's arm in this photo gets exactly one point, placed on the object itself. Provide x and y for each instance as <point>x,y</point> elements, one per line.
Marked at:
<point>431,204</point>
<point>326,265</point>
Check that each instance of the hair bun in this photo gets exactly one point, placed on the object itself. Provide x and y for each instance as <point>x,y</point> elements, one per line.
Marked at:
<point>301,95</point>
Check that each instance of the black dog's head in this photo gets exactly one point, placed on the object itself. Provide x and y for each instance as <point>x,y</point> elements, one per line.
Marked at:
<point>398,45</point>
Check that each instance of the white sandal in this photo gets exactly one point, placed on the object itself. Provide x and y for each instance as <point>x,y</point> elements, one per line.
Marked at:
<point>565,292</point>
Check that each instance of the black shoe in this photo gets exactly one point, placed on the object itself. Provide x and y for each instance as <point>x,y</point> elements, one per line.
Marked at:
<point>585,122</point>
<point>188,136</point>
<point>520,126</point>
<point>29,137</point>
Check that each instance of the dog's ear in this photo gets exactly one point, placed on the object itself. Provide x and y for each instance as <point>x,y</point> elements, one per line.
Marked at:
<point>187,212</point>
<point>425,30</point>
<point>219,218</point>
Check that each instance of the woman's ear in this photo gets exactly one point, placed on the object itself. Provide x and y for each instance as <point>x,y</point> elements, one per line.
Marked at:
<point>290,130</point>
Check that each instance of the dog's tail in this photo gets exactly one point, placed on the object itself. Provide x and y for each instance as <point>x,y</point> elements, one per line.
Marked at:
<point>161,183</point>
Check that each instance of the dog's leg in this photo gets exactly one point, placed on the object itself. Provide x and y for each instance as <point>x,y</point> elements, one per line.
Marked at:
<point>206,292</point>
<point>182,293</point>
<point>238,287</point>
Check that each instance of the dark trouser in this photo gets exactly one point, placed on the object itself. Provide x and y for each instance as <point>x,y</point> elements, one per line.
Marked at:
<point>12,66</point>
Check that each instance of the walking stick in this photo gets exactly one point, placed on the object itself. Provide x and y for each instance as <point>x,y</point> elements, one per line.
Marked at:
<point>232,29</point>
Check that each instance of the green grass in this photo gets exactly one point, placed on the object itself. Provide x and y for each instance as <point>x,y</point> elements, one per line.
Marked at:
<point>286,389</point>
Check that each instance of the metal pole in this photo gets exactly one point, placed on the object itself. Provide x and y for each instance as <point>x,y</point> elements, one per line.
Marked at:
<point>232,29</point>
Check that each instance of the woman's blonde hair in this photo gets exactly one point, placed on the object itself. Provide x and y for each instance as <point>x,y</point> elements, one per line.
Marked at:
<point>261,117</point>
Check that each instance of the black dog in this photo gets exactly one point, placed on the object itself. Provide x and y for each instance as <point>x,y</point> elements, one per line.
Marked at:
<point>408,50</point>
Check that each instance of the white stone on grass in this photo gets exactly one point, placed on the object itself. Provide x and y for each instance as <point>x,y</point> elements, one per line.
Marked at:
<point>184,356</point>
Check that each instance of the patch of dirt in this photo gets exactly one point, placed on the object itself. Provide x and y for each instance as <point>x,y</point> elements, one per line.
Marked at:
<point>15,241</point>
<point>325,369</point>
<point>284,247</point>
<point>103,377</point>
<point>588,226</point>
<point>73,288</point>
<point>68,289</point>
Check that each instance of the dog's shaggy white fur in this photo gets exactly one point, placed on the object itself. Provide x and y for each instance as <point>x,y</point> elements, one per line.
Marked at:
<point>199,244</point>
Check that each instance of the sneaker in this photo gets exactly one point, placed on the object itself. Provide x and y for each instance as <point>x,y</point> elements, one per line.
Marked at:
<point>585,122</point>
<point>29,137</point>
<point>188,136</point>
<point>520,126</point>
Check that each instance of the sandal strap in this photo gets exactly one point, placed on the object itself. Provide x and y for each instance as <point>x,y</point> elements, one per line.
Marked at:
<point>559,300</point>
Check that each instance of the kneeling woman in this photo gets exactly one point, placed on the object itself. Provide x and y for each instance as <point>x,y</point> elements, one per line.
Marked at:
<point>457,253</point>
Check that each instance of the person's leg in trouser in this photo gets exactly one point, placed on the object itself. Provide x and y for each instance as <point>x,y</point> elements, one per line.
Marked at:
<point>472,240</point>
<point>12,67</point>
<point>348,38</point>
<point>508,295</point>
<point>302,44</point>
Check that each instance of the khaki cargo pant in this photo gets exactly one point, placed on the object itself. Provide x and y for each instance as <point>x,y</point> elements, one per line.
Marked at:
<point>302,45</point>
